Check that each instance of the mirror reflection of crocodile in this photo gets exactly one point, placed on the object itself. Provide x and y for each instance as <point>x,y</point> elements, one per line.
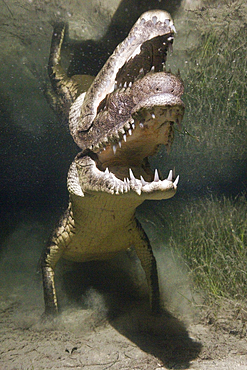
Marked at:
<point>126,114</point>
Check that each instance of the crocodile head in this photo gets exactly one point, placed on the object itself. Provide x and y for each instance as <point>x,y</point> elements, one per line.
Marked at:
<point>133,104</point>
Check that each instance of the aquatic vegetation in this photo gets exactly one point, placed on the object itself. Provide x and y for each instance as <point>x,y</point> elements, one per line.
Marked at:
<point>213,156</point>
<point>216,87</point>
<point>212,231</point>
<point>211,236</point>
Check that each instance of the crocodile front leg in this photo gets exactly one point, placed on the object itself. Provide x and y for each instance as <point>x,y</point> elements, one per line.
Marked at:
<point>53,252</point>
<point>63,86</point>
<point>65,89</point>
<point>145,254</point>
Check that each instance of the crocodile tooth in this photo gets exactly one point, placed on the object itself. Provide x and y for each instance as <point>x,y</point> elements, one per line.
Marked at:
<point>143,181</point>
<point>119,144</point>
<point>176,181</point>
<point>138,191</point>
<point>132,120</point>
<point>107,171</point>
<point>164,67</point>
<point>132,177</point>
<point>141,125</point>
<point>130,132</point>
<point>156,176</point>
<point>154,20</point>
<point>125,84</point>
<point>115,85</point>
<point>124,137</point>
<point>153,115</point>
<point>152,69</point>
<point>141,71</point>
<point>169,178</point>
<point>125,185</point>
<point>133,126</point>
<point>120,85</point>
<point>121,188</point>
<point>114,148</point>
<point>173,28</point>
<point>130,84</point>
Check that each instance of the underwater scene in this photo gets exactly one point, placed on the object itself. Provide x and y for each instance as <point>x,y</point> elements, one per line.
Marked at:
<point>124,184</point>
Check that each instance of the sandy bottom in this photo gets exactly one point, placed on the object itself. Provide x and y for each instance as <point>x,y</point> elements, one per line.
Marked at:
<point>105,322</point>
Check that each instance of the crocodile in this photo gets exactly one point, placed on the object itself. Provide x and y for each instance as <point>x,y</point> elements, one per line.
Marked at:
<point>118,119</point>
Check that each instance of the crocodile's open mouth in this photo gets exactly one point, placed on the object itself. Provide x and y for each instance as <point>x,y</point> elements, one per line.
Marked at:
<point>139,138</point>
<point>133,104</point>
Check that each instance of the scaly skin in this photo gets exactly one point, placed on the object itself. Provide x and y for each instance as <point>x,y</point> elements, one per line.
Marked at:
<point>64,89</point>
<point>126,114</point>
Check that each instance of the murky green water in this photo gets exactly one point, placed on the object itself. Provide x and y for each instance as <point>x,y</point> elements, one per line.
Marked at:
<point>204,227</point>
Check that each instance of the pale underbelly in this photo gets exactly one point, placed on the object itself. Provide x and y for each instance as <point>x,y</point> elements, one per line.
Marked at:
<point>94,247</point>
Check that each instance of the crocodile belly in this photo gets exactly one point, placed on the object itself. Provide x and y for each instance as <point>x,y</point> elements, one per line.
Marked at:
<point>89,246</point>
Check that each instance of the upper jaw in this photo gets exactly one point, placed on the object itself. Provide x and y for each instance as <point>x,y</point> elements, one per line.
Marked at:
<point>153,31</point>
<point>150,102</point>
